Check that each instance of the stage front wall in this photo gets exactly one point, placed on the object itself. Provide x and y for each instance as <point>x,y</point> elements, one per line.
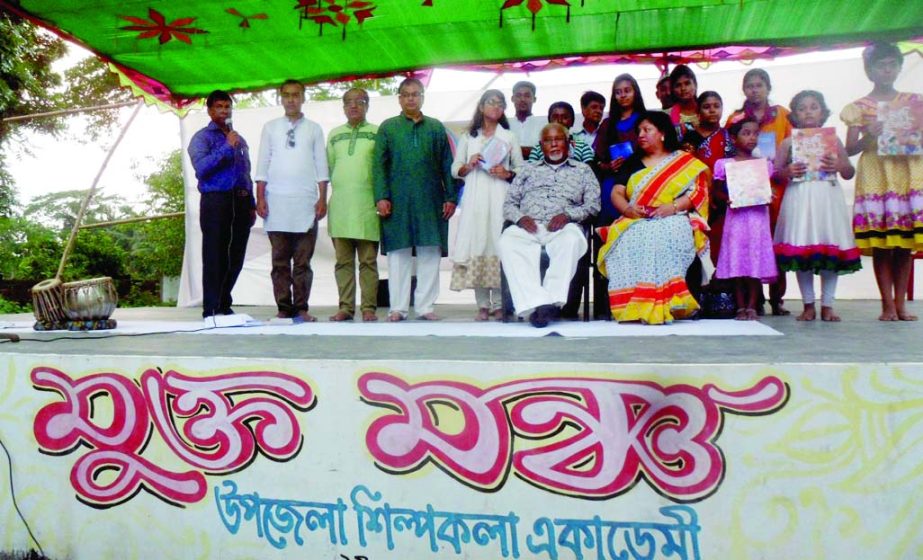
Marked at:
<point>210,458</point>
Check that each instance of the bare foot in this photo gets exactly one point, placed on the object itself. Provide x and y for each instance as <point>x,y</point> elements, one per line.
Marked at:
<point>429,317</point>
<point>483,314</point>
<point>369,316</point>
<point>904,316</point>
<point>341,316</point>
<point>305,317</point>
<point>809,314</point>
<point>741,315</point>
<point>752,315</point>
<point>827,314</point>
<point>888,314</point>
<point>395,317</point>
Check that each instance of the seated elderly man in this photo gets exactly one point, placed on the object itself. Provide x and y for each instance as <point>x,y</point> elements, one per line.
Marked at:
<point>546,202</point>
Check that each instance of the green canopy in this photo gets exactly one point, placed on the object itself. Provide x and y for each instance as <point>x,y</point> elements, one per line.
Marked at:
<point>183,50</point>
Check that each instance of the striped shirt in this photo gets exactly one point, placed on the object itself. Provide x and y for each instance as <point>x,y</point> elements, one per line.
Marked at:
<point>579,150</point>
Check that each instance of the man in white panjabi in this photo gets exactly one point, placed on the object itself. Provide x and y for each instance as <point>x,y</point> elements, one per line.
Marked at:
<point>524,125</point>
<point>546,202</point>
<point>291,197</point>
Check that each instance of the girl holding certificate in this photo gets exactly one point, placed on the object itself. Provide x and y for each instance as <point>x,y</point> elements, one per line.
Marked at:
<point>746,246</point>
<point>487,158</point>
<point>814,235</point>
<point>888,213</point>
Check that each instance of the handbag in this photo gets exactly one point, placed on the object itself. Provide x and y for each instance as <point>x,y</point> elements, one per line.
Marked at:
<point>718,303</point>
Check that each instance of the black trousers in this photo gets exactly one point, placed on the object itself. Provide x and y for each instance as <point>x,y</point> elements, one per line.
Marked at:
<point>225,219</point>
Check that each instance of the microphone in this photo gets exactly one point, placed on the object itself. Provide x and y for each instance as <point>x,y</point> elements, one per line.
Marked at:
<point>228,122</point>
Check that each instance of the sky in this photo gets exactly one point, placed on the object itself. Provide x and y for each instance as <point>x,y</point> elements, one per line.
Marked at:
<point>70,162</point>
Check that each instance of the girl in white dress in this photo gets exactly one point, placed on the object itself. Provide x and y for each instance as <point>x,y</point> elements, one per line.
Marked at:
<point>814,234</point>
<point>487,158</point>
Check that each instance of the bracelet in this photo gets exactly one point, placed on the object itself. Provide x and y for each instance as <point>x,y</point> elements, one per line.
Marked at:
<point>675,208</point>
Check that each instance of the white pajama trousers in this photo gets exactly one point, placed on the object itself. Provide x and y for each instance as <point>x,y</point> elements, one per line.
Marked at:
<point>400,267</point>
<point>520,254</point>
<point>828,281</point>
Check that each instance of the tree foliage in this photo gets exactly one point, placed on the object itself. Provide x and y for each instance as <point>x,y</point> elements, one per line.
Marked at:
<point>29,85</point>
<point>158,248</point>
<point>27,81</point>
<point>335,90</point>
<point>31,245</point>
<point>28,251</point>
<point>58,210</point>
<point>91,83</point>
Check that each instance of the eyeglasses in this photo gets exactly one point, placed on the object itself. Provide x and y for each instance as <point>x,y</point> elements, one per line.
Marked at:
<point>414,95</point>
<point>355,103</point>
<point>494,103</point>
<point>290,135</point>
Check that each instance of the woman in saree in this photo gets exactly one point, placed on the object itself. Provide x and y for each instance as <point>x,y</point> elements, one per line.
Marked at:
<point>661,231</point>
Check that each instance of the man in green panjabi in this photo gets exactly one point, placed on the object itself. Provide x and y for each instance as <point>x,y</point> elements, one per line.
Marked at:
<point>352,217</point>
<point>415,196</point>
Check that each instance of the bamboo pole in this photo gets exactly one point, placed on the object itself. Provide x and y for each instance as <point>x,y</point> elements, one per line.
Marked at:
<point>92,191</point>
<point>133,220</point>
<point>66,112</point>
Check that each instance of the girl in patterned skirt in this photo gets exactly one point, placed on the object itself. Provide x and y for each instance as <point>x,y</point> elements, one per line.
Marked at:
<point>888,213</point>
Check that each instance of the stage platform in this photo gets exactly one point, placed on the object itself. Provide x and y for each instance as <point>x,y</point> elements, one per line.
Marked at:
<point>784,440</point>
<point>859,338</point>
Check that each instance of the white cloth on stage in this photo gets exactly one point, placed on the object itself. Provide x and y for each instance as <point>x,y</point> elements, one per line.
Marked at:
<point>291,164</point>
<point>400,266</point>
<point>520,253</point>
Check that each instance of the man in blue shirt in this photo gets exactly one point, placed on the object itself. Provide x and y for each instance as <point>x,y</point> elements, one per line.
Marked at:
<point>226,206</point>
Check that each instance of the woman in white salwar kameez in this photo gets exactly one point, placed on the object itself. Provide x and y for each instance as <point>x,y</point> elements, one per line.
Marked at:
<point>487,158</point>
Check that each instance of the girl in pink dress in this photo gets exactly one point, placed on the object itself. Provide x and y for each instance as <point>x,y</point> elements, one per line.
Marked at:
<point>746,245</point>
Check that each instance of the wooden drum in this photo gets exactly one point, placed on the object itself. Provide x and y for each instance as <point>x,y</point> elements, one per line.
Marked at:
<point>48,301</point>
<point>90,300</point>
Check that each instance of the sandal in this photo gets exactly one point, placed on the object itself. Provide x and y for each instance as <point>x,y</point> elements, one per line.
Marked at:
<point>483,314</point>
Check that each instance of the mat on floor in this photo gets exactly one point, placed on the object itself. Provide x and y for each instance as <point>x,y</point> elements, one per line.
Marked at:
<point>573,329</point>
